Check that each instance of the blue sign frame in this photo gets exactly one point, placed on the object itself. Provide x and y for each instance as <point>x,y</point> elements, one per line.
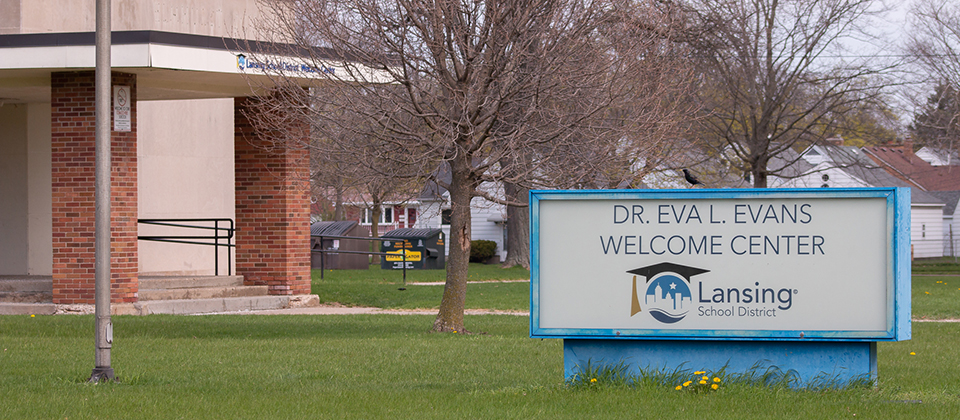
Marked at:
<point>898,282</point>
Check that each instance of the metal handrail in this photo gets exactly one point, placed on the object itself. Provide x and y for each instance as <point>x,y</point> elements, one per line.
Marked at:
<point>322,251</point>
<point>197,239</point>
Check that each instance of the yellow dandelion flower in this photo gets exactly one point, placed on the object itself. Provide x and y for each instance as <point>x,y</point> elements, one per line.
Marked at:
<point>687,383</point>
<point>593,380</point>
<point>705,378</point>
<point>703,382</point>
<point>927,292</point>
<point>913,353</point>
<point>714,386</point>
<point>679,387</point>
<point>32,316</point>
<point>699,372</point>
<point>716,379</point>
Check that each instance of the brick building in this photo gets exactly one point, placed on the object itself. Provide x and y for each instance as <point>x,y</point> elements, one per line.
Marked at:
<point>183,150</point>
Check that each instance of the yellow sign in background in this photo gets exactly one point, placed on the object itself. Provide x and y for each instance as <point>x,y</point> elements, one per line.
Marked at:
<point>411,255</point>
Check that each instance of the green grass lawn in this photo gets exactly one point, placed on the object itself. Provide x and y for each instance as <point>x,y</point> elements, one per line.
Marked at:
<point>936,297</point>
<point>379,288</point>
<point>478,272</point>
<point>945,265</point>
<point>388,366</point>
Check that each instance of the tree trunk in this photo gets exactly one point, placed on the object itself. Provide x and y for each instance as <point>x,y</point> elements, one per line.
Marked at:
<point>338,210</point>
<point>518,227</point>
<point>375,212</point>
<point>450,317</point>
<point>759,170</point>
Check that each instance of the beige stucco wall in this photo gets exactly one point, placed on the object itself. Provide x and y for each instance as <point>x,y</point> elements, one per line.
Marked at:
<point>13,189</point>
<point>25,191</point>
<point>226,18</point>
<point>185,153</point>
<point>39,191</point>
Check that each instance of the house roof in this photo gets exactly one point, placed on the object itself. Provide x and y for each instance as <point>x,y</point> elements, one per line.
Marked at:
<point>849,159</point>
<point>855,162</point>
<point>905,165</point>
<point>432,191</point>
<point>950,198</point>
<point>939,157</point>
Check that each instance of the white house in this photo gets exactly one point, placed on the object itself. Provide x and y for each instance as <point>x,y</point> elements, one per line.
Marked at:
<point>488,219</point>
<point>838,166</point>
<point>938,157</point>
<point>951,221</point>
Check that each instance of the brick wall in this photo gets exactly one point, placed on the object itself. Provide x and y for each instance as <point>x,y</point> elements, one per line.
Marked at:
<point>73,154</point>
<point>272,206</point>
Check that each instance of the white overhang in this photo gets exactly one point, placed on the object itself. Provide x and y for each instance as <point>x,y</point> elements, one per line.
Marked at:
<point>168,65</point>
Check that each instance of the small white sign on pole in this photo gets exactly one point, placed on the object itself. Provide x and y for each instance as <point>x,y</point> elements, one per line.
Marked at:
<point>121,109</point>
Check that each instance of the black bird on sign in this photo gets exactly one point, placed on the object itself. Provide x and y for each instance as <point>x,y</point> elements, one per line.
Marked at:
<point>690,178</point>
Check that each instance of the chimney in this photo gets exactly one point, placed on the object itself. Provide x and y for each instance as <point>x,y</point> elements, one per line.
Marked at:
<point>907,145</point>
<point>835,141</point>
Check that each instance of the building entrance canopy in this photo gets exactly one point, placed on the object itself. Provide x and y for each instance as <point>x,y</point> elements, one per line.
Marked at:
<point>168,65</point>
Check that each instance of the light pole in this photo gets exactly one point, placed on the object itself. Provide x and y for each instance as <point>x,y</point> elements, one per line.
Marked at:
<point>102,370</point>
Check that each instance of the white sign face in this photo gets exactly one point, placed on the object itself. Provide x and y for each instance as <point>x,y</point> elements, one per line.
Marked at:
<point>121,108</point>
<point>691,265</point>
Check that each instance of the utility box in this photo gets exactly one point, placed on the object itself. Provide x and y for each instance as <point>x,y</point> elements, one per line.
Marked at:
<point>334,260</point>
<point>423,249</point>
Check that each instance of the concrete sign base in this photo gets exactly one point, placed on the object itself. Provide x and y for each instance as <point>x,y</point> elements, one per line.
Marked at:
<point>814,363</point>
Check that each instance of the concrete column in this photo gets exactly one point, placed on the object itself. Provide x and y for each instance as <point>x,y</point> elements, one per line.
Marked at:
<point>73,159</point>
<point>272,206</point>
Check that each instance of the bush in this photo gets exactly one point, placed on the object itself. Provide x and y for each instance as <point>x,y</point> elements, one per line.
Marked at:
<point>482,250</point>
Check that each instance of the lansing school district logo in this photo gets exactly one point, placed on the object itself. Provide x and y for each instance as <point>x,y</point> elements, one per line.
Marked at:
<point>667,296</point>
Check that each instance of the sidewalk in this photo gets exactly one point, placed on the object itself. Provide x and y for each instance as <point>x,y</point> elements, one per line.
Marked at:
<point>344,310</point>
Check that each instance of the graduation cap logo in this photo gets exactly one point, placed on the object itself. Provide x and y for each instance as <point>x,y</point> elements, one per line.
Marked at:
<point>667,295</point>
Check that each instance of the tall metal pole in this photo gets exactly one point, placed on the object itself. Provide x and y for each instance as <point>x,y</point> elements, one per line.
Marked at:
<point>104,327</point>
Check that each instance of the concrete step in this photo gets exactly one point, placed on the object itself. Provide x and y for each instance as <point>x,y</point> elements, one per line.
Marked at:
<point>188,282</point>
<point>202,292</point>
<point>26,289</point>
<point>8,308</point>
<point>26,297</point>
<point>18,284</point>
<point>203,306</point>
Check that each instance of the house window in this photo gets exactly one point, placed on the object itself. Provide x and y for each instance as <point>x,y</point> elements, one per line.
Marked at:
<point>365,217</point>
<point>445,217</point>
<point>386,216</point>
<point>923,231</point>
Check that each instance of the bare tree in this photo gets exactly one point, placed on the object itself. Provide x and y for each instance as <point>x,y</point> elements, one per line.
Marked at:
<point>935,39</point>
<point>935,44</point>
<point>776,75</point>
<point>330,180</point>
<point>473,84</point>
<point>657,124</point>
